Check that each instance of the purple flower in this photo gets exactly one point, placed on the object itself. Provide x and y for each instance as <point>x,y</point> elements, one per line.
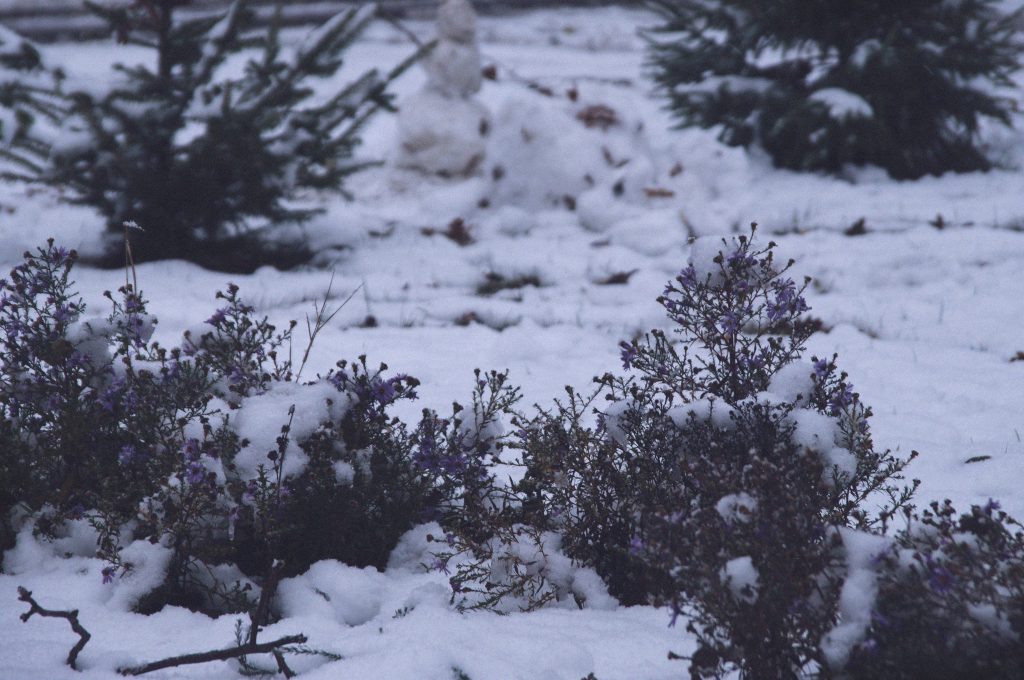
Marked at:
<point>740,259</point>
<point>440,565</point>
<point>729,323</point>
<point>820,369</point>
<point>628,354</point>
<point>127,454</point>
<point>385,391</point>
<point>195,473</point>
<point>236,376</point>
<point>636,546</point>
<point>786,302</point>
<point>842,399</point>
<point>108,575</point>
<point>688,277</point>
<point>218,317</point>
<point>191,450</point>
<point>940,579</point>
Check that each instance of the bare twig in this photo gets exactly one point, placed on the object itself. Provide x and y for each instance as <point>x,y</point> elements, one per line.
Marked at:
<point>320,321</point>
<point>72,617</point>
<point>215,655</point>
<point>259,615</point>
<point>281,665</point>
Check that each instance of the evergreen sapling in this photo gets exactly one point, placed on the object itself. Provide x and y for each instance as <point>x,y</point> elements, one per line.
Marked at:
<point>824,84</point>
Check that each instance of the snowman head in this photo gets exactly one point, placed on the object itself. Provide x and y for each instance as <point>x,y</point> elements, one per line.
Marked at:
<point>456,21</point>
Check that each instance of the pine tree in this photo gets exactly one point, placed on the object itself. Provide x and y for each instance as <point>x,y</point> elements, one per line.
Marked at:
<point>820,84</point>
<point>28,105</point>
<point>205,158</point>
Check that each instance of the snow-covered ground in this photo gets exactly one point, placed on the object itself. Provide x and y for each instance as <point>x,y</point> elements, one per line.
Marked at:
<point>925,320</point>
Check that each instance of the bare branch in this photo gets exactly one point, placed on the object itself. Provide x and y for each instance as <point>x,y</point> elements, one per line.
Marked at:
<point>71,616</point>
<point>215,655</point>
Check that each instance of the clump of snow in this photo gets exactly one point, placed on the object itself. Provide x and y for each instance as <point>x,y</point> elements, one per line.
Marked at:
<point>334,591</point>
<point>261,417</point>
<point>149,563</point>
<point>737,507</point>
<point>541,558</point>
<point>441,135</point>
<point>415,551</point>
<point>857,597</point>
<point>703,410</point>
<point>741,576</point>
<point>814,430</point>
<point>843,104</point>
<point>508,220</point>
<point>839,463</point>
<point>31,552</point>
<point>28,553</point>
<point>793,381</point>
<point>703,252</point>
<point>539,154</point>
<point>615,420</point>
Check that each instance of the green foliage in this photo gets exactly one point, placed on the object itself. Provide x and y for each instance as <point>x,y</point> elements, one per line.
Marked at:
<point>824,83</point>
<point>203,153</point>
<point>27,101</point>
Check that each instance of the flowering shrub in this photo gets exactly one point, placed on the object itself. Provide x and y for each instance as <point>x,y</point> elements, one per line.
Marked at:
<point>711,477</point>
<point>949,600</point>
<point>211,449</point>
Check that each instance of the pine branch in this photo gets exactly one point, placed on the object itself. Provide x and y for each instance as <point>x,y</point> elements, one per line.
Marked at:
<point>71,616</point>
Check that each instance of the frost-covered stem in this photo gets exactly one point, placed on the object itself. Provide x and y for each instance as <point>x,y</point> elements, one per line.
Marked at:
<point>71,616</point>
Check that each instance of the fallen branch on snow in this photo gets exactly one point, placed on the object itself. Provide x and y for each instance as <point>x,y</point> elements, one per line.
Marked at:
<point>72,617</point>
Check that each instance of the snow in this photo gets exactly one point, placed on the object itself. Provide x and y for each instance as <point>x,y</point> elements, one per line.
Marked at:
<point>925,320</point>
<point>843,104</point>
<point>857,596</point>
<point>741,576</point>
<point>736,507</point>
<point>261,417</point>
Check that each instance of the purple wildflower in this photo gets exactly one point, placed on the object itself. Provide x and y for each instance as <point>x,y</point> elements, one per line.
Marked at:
<point>729,323</point>
<point>127,454</point>
<point>628,354</point>
<point>383,391</point>
<point>688,277</point>
<point>842,399</point>
<point>195,473</point>
<point>218,317</point>
<point>940,579</point>
<point>636,546</point>
<point>108,575</point>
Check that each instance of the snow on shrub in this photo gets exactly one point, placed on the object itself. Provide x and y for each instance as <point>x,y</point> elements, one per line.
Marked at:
<point>944,598</point>
<point>711,477</point>
<point>213,450</point>
<point>203,153</point>
<point>820,85</point>
<point>26,104</point>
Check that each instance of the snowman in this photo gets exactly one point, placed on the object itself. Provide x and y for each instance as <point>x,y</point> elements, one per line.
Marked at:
<point>442,129</point>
